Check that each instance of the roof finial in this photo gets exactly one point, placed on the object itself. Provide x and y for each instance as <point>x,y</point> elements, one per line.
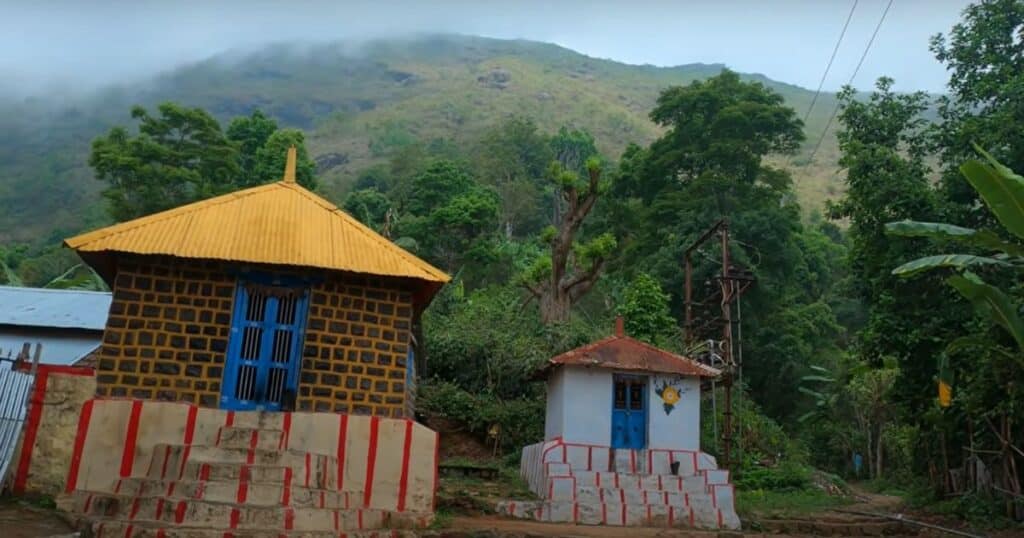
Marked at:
<point>620,326</point>
<point>289,167</point>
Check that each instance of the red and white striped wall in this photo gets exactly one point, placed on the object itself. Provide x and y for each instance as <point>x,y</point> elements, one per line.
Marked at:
<point>392,463</point>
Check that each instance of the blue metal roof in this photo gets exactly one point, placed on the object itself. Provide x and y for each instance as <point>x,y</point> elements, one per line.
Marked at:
<point>65,309</point>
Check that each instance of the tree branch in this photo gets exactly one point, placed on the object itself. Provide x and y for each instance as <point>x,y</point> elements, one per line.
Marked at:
<point>581,283</point>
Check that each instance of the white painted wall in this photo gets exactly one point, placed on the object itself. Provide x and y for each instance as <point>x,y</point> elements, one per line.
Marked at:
<point>680,428</point>
<point>553,416</point>
<point>586,405</point>
<point>579,409</point>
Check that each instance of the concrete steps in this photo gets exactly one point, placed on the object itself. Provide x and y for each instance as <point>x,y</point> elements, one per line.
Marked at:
<point>153,529</point>
<point>593,485</point>
<point>248,483</point>
<point>257,493</point>
<point>620,515</point>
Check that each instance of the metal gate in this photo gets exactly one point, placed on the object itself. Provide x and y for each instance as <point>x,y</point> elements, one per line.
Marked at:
<point>15,388</point>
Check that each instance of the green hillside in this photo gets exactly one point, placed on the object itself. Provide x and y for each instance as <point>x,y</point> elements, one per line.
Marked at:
<point>357,104</point>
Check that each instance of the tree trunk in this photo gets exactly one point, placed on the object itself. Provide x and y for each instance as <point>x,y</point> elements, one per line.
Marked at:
<point>878,453</point>
<point>555,307</point>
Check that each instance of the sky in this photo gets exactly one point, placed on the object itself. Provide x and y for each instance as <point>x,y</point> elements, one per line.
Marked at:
<point>53,45</point>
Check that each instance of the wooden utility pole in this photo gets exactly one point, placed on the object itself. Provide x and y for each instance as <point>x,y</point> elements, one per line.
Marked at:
<point>732,283</point>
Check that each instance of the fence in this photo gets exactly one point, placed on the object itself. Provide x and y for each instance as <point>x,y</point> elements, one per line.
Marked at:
<point>15,388</point>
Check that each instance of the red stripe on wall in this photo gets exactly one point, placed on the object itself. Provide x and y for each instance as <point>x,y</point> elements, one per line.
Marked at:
<point>289,519</point>
<point>371,461</point>
<point>190,424</point>
<point>76,453</point>
<point>163,468</point>
<point>403,481</point>
<point>307,469</point>
<point>128,455</point>
<point>287,489</point>
<point>342,439</point>
<point>235,516</point>
<point>285,432</point>
<point>35,414</point>
<point>179,512</point>
<point>250,458</point>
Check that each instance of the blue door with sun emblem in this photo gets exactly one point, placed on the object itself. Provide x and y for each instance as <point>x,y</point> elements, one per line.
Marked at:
<point>265,346</point>
<point>629,412</point>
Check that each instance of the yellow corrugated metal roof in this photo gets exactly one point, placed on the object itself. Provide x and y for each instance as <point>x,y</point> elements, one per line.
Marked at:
<point>279,223</point>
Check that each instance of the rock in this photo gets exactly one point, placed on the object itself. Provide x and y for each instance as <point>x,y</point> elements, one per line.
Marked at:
<point>496,78</point>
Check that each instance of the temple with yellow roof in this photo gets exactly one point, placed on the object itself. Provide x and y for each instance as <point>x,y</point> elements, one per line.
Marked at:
<point>268,298</point>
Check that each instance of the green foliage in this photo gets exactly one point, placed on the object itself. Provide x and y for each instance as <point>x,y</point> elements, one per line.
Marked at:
<point>177,157</point>
<point>787,476</point>
<point>270,159</point>
<point>250,133</point>
<point>182,156</point>
<point>521,419</point>
<point>646,310</point>
<point>370,206</point>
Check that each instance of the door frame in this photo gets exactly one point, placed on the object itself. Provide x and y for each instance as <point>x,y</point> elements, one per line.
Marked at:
<point>231,357</point>
<point>628,377</point>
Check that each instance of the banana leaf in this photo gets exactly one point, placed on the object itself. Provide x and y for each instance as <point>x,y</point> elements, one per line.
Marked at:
<point>990,302</point>
<point>1000,188</point>
<point>984,239</point>
<point>958,261</point>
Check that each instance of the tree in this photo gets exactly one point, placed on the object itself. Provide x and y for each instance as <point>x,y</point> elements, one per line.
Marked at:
<point>177,157</point>
<point>1003,193</point>
<point>645,309</point>
<point>513,158</point>
<point>719,126</point>
<point>371,207</point>
<point>250,134</point>
<point>449,215</point>
<point>268,164</point>
<point>561,278</point>
<point>984,57</point>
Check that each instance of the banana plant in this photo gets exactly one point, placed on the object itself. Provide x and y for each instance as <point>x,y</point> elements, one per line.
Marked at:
<point>1003,193</point>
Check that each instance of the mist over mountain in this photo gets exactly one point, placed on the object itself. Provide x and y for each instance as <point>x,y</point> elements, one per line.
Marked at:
<point>357,101</point>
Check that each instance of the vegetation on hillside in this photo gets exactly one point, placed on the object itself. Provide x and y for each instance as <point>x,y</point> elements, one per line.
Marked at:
<point>516,194</point>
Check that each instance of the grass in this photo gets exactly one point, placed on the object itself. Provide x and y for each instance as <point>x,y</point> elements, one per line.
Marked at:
<point>769,504</point>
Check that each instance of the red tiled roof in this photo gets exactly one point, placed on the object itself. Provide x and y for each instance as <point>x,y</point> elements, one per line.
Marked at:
<point>620,352</point>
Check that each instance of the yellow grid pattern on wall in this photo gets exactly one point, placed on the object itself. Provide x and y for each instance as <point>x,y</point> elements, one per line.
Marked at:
<point>357,342</point>
<point>168,331</point>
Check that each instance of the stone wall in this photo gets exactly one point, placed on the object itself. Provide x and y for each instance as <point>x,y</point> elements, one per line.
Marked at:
<point>167,334</point>
<point>357,342</point>
<point>170,321</point>
<point>50,426</point>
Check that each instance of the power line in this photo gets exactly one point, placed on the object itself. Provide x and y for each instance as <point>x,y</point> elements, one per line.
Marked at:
<point>830,60</point>
<point>853,76</point>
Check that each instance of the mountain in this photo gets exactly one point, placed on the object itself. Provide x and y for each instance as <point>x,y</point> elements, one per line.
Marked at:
<point>357,103</point>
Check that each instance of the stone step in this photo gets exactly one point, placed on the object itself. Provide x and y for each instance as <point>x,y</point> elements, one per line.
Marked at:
<point>634,496</point>
<point>702,516</point>
<point>156,529</point>
<point>246,437</point>
<point>289,493</point>
<point>658,482</point>
<point>166,455</point>
<point>308,469</point>
<point>198,513</point>
<point>316,473</point>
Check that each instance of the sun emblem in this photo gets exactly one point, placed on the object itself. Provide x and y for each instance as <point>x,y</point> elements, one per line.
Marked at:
<point>670,394</point>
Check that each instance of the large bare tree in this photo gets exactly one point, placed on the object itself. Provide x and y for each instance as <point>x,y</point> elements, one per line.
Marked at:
<point>570,269</point>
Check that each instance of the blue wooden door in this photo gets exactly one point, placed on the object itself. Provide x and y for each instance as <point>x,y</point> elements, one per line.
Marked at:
<point>629,412</point>
<point>265,347</point>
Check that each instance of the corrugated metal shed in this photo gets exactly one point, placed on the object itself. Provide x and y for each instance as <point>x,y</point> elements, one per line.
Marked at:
<point>620,352</point>
<point>279,223</point>
<point>46,308</point>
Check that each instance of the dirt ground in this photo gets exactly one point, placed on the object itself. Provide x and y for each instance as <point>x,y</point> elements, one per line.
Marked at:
<point>21,519</point>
